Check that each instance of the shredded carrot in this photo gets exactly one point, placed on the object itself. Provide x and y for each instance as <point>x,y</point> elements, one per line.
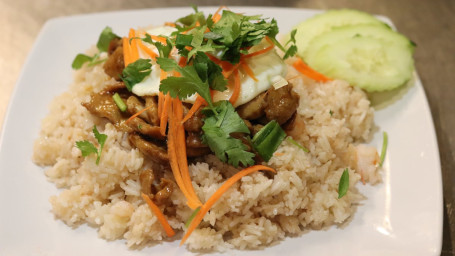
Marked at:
<point>303,68</point>
<point>159,215</point>
<point>173,160</point>
<point>236,92</point>
<point>248,71</point>
<point>138,113</point>
<point>164,113</point>
<point>170,24</point>
<point>182,61</point>
<point>160,103</point>
<point>272,45</point>
<point>197,104</point>
<point>147,50</point>
<point>278,154</point>
<point>181,149</point>
<point>126,51</point>
<point>217,195</point>
<point>133,45</point>
<point>158,38</point>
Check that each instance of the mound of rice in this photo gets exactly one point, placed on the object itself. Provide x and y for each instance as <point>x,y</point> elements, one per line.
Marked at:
<point>258,210</point>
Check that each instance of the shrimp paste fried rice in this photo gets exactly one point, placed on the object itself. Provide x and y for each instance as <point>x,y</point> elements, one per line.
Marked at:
<point>332,119</point>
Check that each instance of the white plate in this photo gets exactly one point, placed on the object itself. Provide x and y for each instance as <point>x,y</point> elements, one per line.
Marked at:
<point>402,216</point>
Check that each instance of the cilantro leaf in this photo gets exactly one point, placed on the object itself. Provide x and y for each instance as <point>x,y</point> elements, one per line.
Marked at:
<point>87,148</point>
<point>292,50</point>
<point>80,60</point>
<point>186,85</point>
<point>163,49</point>
<point>101,138</point>
<point>217,134</point>
<point>105,38</point>
<point>343,185</point>
<point>209,71</point>
<point>136,72</point>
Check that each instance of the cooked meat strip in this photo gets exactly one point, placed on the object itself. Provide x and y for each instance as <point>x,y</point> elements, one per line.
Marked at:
<point>151,102</point>
<point>113,88</point>
<point>146,178</point>
<point>194,145</point>
<point>134,105</point>
<point>114,44</point>
<point>164,192</point>
<point>142,127</point>
<point>195,123</point>
<point>281,104</point>
<point>155,152</point>
<point>254,108</point>
<point>103,105</point>
<point>114,64</point>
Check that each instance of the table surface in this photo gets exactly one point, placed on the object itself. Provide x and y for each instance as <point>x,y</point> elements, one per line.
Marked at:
<point>429,23</point>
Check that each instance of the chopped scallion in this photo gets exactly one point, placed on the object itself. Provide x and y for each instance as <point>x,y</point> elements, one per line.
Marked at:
<point>343,186</point>
<point>188,222</point>
<point>120,104</point>
<point>267,140</point>
<point>385,141</point>
<point>290,139</point>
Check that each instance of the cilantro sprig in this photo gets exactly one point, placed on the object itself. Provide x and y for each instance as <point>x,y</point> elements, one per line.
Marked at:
<point>135,72</point>
<point>197,78</point>
<point>103,44</point>
<point>87,148</point>
<point>217,130</point>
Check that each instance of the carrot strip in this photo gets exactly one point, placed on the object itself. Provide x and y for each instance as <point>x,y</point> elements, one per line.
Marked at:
<point>248,71</point>
<point>133,46</point>
<point>303,68</point>
<point>159,215</point>
<point>160,103</point>
<point>236,92</point>
<point>182,61</point>
<point>138,113</point>
<point>165,113</point>
<point>147,50</point>
<point>126,51</point>
<point>272,45</point>
<point>169,24</point>
<point>173,160</point>
<point>181,149</point>
<point>197,104</point>
<point>158,38</point>
<point>217,195</point>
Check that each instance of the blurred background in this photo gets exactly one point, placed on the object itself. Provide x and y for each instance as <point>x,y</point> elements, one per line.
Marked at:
<point>429,23</point>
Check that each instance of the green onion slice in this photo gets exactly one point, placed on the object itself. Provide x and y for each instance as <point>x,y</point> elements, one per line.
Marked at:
<point>120,104</point>
<point>385,141</point>
<point>190,219</point>
<point>290,139</point>
<point>268,139</point>
<point>343,186</point>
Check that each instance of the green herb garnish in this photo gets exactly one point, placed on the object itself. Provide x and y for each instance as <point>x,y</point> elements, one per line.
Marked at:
<point>292,50</point>
<point>218,127</point>
<point>268,139</point>
<point>119,102</point>
<point>385,141</point>
<point>87,148</point>
<point>343,186</point>
<point>190,219</point>
<point>136,72</point>
<point>103,44</point>
<point>105,39</point>
<point>291,140</point>
<point>187,84</point>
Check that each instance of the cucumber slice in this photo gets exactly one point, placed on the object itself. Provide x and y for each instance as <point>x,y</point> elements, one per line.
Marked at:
<point>369,63</point>
<point>364,30</point>
<point>319,24</point>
